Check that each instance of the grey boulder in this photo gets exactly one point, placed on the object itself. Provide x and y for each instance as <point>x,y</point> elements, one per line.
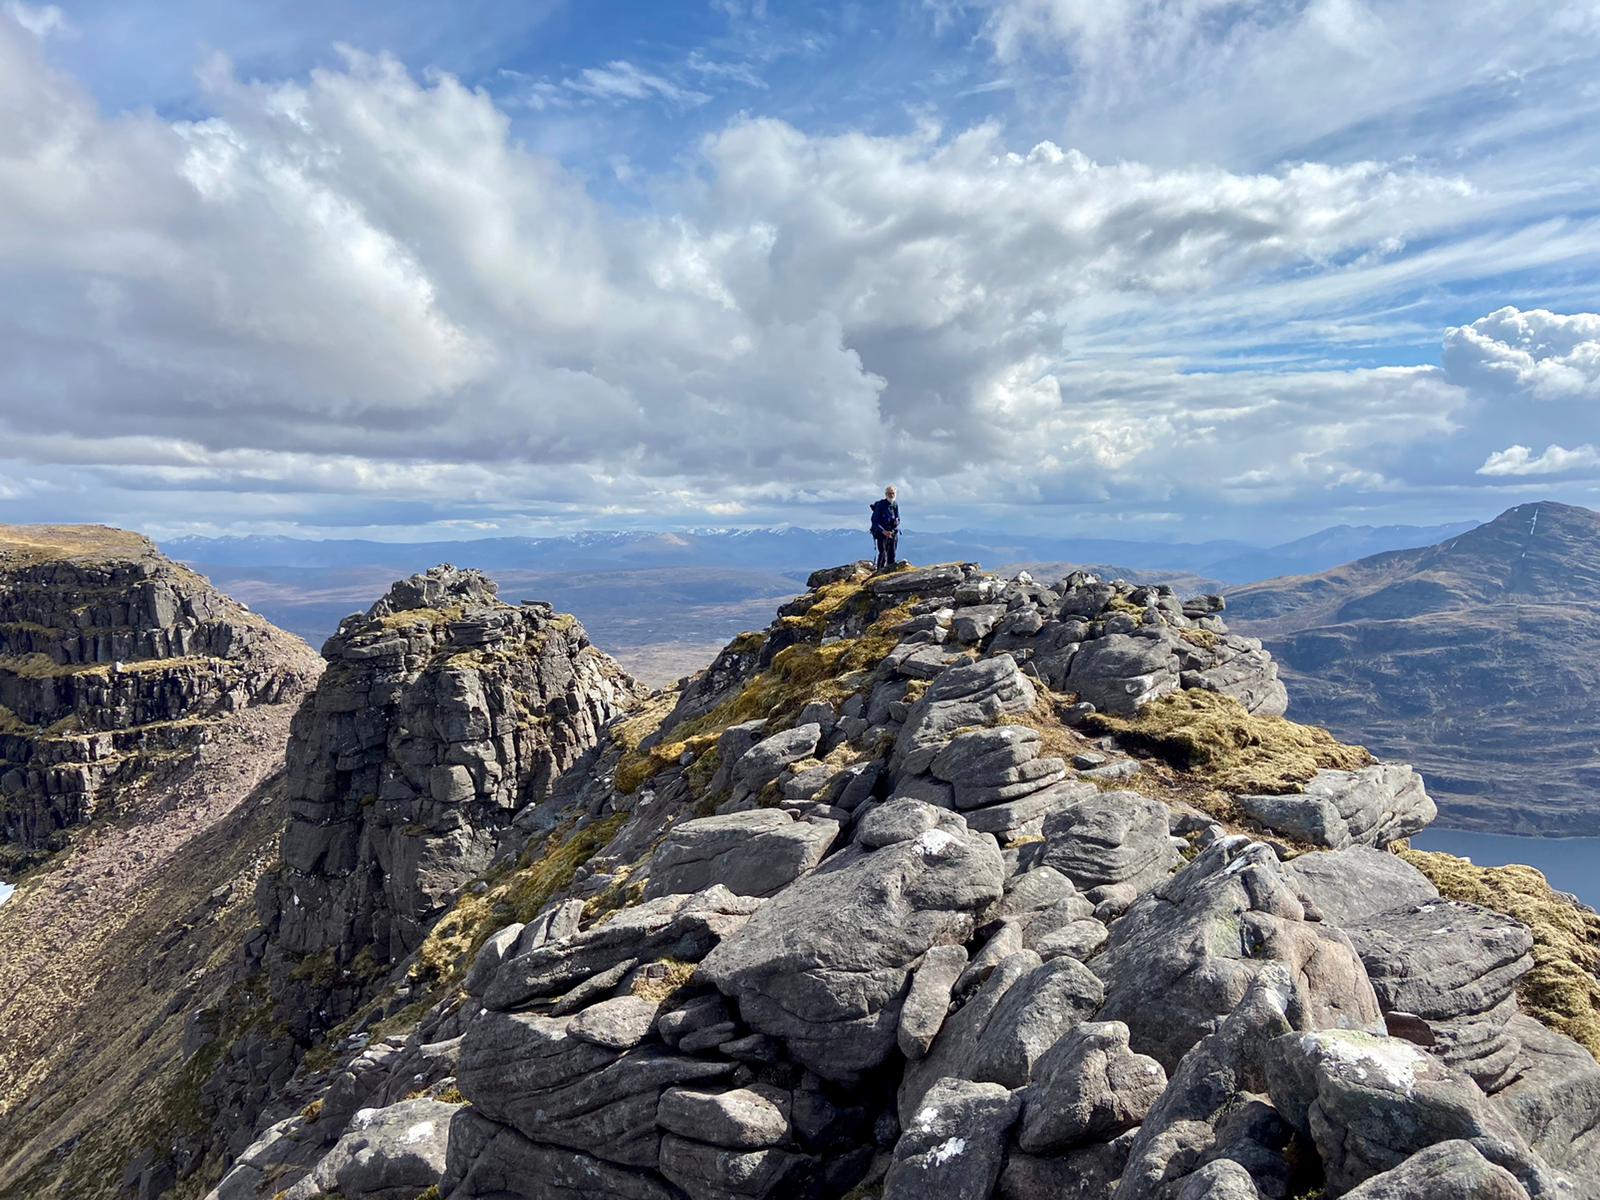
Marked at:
<point>1120,673</point>
<point>1188,1125</point>
<point>1373,806</point>
<point>1351,884</point>
<point>385,1154</point>
<point>1456,966</point>
<point>1024,1008</point>
<point>961,697</point>
<point>1181,959</point>
<point>1111,838</point>
<point>1369,1103</point>
<point>1089,1086</point>
<point>747,1118</point>
<point>1445,1171</point>
<point>923,1013</point>
<point>753,853</point>
<point>955,1143</point>
<point>823,965</point>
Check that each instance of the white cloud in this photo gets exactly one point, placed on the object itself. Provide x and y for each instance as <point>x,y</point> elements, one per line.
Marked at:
<point>1537,354</point>
<point>1260,81</point>
<point>42,20</point>
<point>362,289</point>
<point>1556,460</point>
<point>621,81</point>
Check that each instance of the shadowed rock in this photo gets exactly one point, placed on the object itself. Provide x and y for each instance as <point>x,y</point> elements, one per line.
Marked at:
<point>824,965</point>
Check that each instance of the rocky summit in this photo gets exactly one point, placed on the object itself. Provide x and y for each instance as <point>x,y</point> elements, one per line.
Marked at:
<point>945,884</point>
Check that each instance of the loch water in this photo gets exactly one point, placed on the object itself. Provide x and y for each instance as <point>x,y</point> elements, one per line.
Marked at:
<point>1570,864</point>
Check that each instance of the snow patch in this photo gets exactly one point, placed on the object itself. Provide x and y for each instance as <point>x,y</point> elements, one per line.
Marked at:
<point>945,1151</point>
<point>935,843</point>
<point>5,890</point>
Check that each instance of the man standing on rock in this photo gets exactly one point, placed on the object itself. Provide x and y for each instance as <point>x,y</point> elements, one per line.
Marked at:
<point>886,528</point>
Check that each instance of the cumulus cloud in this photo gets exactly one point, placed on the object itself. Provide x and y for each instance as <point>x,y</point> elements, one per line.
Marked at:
<point>1535,375</point>
<point>364,285</point>
<point>1556,460</point>
<point>1537,355</point>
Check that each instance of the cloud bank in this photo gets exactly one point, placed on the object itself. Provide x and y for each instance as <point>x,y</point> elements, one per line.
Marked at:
<point>361,297</point>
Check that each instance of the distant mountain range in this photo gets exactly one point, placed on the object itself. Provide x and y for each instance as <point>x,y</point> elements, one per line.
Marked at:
<point>664,602</point>
<point>1475,658</point>
<point>1469,650</point>
<point>801,550</point>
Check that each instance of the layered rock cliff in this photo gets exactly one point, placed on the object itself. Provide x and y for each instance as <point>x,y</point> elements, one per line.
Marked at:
<point>953,885</point>
<point>114,662</point>
<point>442,713</point>
<point>143,730</point>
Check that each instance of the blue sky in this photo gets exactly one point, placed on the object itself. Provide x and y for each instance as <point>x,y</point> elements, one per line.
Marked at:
<point>1163,268</point>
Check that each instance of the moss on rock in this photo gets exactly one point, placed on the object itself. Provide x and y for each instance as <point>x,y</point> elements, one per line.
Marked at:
<point>1214,736</point>
<point>1563,988</point>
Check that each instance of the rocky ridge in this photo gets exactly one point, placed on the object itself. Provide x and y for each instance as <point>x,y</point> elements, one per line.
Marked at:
<point>114,662</point>
<point>945,884</point>
<point>443,713</point>
<point>143,730</point>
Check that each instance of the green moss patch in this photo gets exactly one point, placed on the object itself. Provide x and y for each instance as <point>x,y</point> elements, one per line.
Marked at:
<point>448,949</point>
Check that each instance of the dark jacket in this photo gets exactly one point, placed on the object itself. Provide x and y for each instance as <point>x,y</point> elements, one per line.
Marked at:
<point>885,517</point>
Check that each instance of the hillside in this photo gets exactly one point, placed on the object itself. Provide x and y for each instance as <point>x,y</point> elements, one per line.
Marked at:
<point>1472,658</point>
<point>143,727</point>
<point>942,884</point>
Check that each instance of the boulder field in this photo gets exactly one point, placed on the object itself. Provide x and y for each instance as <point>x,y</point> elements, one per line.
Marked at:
<point>944,885</point>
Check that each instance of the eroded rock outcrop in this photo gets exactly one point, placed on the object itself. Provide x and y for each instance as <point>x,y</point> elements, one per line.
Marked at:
<point>442,713</point>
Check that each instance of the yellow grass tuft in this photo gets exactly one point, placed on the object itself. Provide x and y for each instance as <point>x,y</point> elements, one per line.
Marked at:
<point>799,674</point>
<point>1212,736</point>
<point>449,948</point>
<point>1563,989</point>
<point>677,977</point>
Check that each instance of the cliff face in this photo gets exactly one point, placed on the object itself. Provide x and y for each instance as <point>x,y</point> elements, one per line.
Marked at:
<point>442,713</point>
<point>114,662</point>
<point>143,730</point>
<point>953,885</point>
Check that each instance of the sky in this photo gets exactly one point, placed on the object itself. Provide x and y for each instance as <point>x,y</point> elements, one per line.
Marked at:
<point>1172,269</point>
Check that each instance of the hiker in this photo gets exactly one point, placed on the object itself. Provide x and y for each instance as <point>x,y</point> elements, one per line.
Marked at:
<point>886,528</point>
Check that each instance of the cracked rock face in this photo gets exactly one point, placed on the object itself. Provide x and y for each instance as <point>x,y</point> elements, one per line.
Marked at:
<point>114,662</point>
<point>1198,941</point>
<point>1370,1103</point>
<point>443,712</point>
<point>1374,806</point>
<point>1455,966</point>
<point>824,964</point>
